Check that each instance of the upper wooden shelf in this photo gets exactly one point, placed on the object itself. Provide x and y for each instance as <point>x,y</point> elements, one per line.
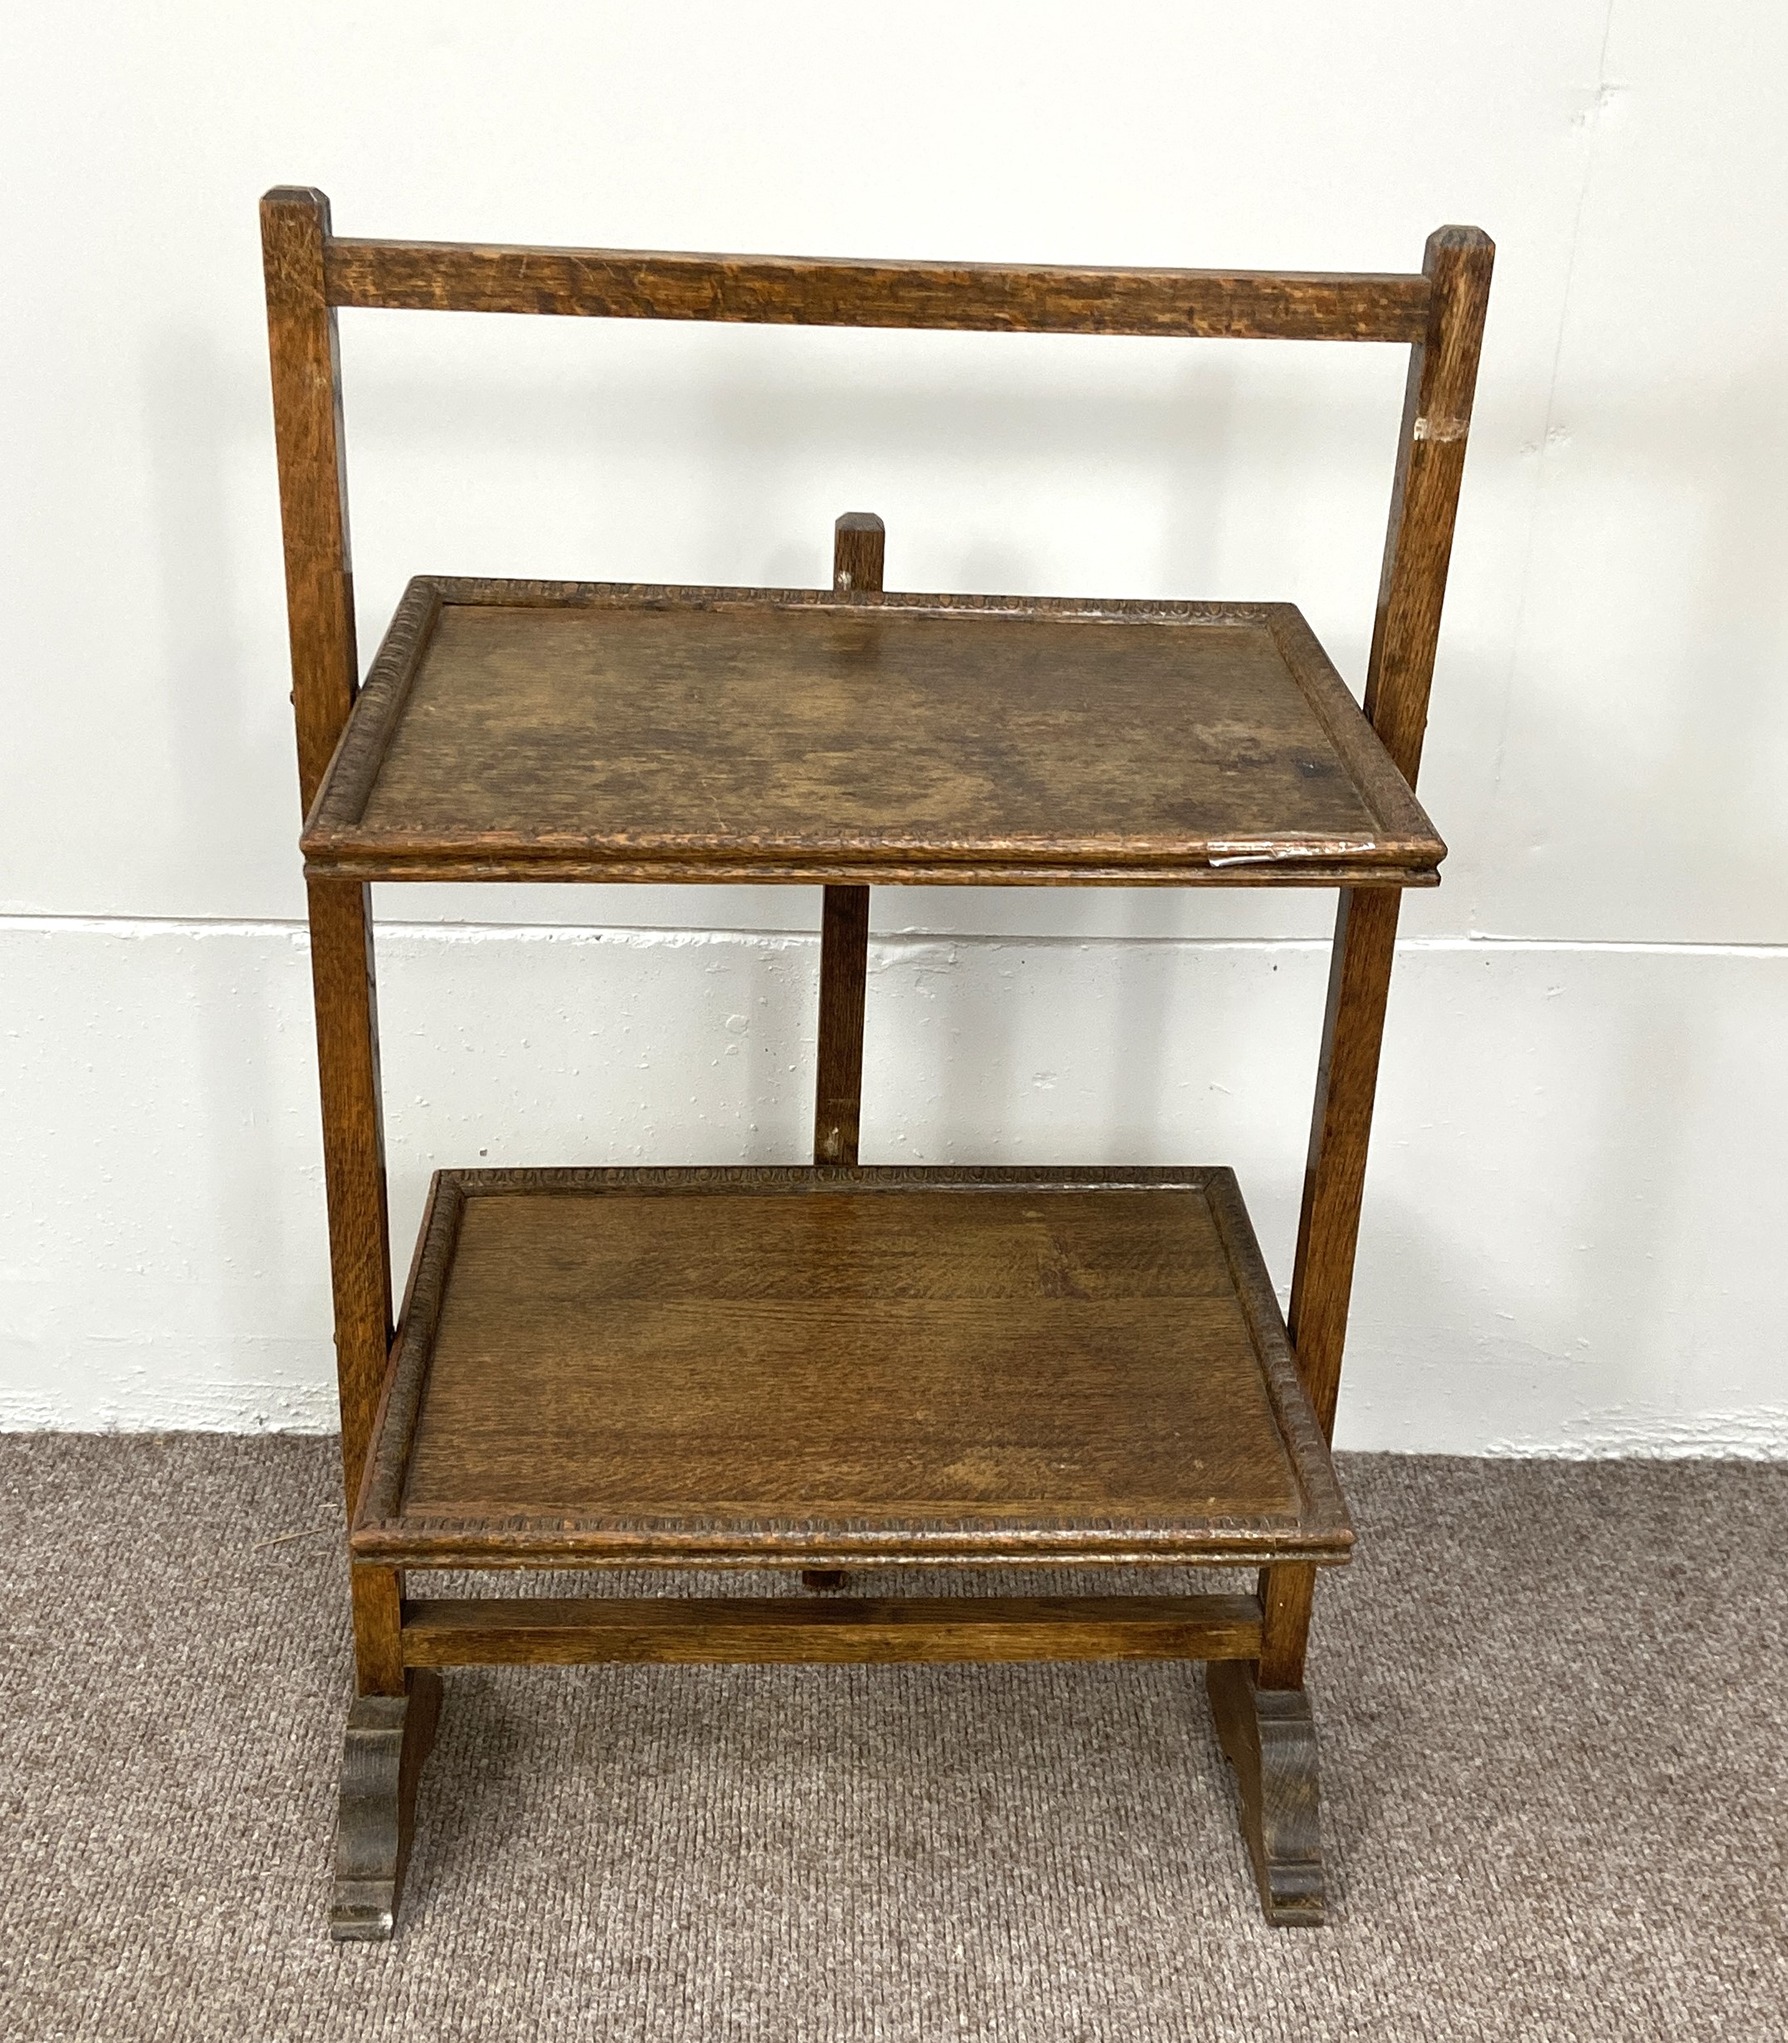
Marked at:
<point>595,731</point>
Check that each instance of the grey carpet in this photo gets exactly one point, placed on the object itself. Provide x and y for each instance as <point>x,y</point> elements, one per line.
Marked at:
<point>1553,1701</point>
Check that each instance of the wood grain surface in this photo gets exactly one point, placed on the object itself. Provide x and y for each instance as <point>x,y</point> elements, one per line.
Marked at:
<point>819,1369</point>
<point>697,1630</point>
<point>831,1366</point>
<point>1437,402</point>
<point>859,554</point>
<point>436,276</point>
<point>376,1599</point>
<point>542,729</point>
<point>1418,546</point>
<point>844,977</point>
<point>347,1023</point>
<point>388,1741</point>
<point>1340,1131</point>
<point>305,358</point>
<point>859,546</point>
<point>1269,1737</point>
<point>305,361</point>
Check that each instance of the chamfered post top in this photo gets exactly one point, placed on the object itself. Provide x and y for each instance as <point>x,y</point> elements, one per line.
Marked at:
<point>285,197</point>
<point>294,236</point>
<point>1457,262</point>
<point>294,214</point>
<point>1461,238</point>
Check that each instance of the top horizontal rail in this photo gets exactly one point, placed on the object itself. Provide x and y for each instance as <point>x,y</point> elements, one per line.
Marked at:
<point>775,290</point>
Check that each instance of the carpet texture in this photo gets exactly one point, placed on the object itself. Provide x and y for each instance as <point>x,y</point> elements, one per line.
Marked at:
<point>1552,1698</point>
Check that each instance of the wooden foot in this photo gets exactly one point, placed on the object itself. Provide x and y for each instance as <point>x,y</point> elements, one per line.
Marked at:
<point>1270,1738</point>
<point>388,1739</point>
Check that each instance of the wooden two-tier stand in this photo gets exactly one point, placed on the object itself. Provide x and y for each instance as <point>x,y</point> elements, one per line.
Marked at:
<point>841,1367</point>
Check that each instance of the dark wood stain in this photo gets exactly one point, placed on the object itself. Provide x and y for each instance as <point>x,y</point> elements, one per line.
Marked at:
<point>844,980</point>
<point>859,547</point>
<point>691,1631</point>
<point>306,371</point>
<point>804,734</point>
<point>820,1369</point>
<point>341,964</point>
<point>890,1364</point>
<point>1418,545</point>
<point>389,1738</point>
<point>306,363</point>
<point>425,276</point>
<point>1269,1736</point>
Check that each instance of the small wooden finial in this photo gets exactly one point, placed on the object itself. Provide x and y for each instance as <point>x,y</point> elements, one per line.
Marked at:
<point>859,541</point>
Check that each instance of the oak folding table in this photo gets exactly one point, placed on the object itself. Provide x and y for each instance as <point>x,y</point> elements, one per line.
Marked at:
<point>844,1367</point>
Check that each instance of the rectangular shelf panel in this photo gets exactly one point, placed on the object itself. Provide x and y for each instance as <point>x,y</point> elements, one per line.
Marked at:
<point>829,1367</point>
<point>518,730</point>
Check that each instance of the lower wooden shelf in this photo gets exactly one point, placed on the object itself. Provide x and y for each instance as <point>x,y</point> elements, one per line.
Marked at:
<point>831,1367</point>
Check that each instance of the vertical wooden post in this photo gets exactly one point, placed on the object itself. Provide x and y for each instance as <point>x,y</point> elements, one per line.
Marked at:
<point>859,551</point>
<point>1286,1592</point>
<point>1443,378</point>
<point>341,966</point>
<point>1340,1126</point>
<point>1437,403</point>
<point>858,542</point>
<point>320,610</point>
<point>376,1600</point>
<point>313,496</point>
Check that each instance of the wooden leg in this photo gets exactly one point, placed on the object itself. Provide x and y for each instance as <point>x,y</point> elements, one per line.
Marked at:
<point>1270,1739</point>
<point>341,966</point>
<point>387,1741</point>
<point>1335,1174</point>
<point>359,1230</point>
<point>826,1581</point>
<point>1263,1716</point>
<point>1287,1591</point>
<point>377,1596</point>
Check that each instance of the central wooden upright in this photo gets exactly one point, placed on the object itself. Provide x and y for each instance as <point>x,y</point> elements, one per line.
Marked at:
<point>838,1369</point>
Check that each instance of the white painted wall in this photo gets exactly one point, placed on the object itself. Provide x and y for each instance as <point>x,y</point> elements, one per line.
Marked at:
<point>1578,1192</point>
